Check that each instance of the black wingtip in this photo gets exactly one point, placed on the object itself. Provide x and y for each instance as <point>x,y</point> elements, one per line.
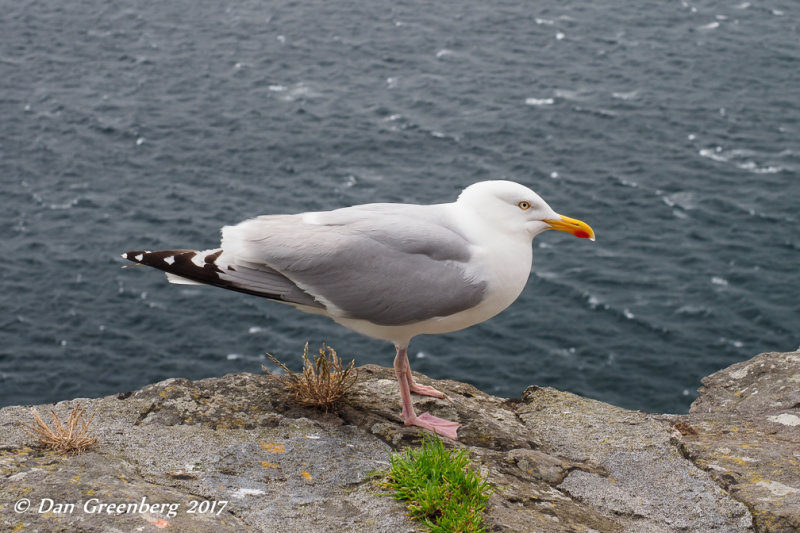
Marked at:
<point>180,263</point>
<point>203,269</point>
<point>135,255</point>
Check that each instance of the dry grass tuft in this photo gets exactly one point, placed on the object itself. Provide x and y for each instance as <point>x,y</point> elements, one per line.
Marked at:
<point>323,383</point>
<point>74,437</point>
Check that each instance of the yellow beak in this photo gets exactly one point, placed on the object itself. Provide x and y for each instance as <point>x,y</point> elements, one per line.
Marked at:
<point>580,229</point>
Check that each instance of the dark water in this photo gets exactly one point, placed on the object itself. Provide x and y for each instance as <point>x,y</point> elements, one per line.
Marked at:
<point>672,127</point>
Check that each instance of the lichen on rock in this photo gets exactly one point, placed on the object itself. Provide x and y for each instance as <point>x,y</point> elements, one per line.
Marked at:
<point>558,462</point>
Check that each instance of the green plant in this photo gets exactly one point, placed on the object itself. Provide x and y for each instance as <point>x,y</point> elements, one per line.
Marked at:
<point>323,382</point>
<point>439,487</point>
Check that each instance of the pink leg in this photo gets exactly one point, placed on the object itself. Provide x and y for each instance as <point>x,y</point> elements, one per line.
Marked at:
<point>440,426</point>
<point>423,390</point>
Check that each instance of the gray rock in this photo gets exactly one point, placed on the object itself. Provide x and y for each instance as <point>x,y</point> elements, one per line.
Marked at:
<point>219,441</point>
<point>745,432</point>
<point>639,478</point>
<point>558,462</point>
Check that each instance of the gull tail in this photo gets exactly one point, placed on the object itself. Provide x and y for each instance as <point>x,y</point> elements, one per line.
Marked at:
<point>212,267</point>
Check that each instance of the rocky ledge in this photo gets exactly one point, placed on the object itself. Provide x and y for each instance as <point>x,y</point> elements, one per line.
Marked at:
<point>227,454</point>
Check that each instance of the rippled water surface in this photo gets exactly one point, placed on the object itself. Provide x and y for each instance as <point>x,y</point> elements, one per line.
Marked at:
<point>673,128</point>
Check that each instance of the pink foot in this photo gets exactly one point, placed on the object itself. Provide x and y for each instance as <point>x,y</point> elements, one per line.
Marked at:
<point>425,390</point>
<point>440,426</point>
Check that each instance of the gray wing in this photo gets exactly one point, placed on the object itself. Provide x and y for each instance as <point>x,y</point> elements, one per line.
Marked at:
<point>391,264</point>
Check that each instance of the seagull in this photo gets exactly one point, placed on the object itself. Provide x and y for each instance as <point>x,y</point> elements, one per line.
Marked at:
<point>386,270</point>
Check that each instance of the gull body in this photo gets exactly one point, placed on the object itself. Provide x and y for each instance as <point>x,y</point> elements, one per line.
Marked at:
<point>388,271</point>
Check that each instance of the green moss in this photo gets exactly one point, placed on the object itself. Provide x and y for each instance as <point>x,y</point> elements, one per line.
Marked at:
<point>439,487</point>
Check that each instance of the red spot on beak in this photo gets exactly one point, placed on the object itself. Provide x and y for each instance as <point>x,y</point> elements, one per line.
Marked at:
<point>581,234</point>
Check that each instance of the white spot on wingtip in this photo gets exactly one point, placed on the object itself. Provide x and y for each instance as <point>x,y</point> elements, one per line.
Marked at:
<point>139,257</point>
<point>169,260</point>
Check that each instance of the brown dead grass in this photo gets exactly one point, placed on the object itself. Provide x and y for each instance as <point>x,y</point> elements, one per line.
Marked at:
<point>323,383</point>
<point>74,437</point>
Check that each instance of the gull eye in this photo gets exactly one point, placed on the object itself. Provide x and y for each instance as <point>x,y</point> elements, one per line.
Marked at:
<point>524,205</point>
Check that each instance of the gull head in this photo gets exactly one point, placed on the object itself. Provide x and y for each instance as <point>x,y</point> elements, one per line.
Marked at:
<point>514,208</point>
